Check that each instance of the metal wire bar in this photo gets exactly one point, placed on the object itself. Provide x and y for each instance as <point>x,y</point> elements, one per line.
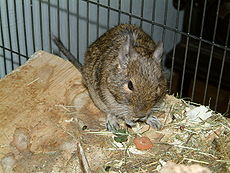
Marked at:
<point>41,25</point>
<point>3,43</point>
<point>142,12</point>
<point>186,49</point>
<point>98,18</point>
<point>24,27</point>
<point>175,30</point>
<point>130,11</point>
<point>87,27</point>
<point>222,66</point>
<point>68,25</point>
<point>32,24</point>
<point>58,22</point>
<point>58,17</point>
<point>17,36</point>
<point>174,47</point>
<point>108,15</point>
<point>153,17</point>
<point>198,52</point>
<point>78,52</point>
<point>119,12</point>
<point>165,19</point>
<point>228,108</point>
<point>10,50</point>
<point>49,19</point>
<point>9,34</point>
<point>211,54</point>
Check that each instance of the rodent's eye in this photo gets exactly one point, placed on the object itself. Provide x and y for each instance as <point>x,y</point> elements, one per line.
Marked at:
<point>130,85</point>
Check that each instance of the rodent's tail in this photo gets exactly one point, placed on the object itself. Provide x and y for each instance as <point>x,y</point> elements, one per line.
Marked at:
<point>67,53</point>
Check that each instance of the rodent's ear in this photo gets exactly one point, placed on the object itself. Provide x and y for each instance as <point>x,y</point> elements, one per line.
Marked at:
<point>159,51</point>
<point>125,52</point>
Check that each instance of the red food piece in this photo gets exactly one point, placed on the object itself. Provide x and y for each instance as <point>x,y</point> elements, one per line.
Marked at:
<point>142,143</point>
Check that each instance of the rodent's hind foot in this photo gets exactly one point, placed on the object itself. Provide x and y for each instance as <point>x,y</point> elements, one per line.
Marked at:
<point>153,122</point>
<point>112,124</point>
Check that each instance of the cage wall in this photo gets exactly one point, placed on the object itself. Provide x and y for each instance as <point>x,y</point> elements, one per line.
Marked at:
<point>25,27</point>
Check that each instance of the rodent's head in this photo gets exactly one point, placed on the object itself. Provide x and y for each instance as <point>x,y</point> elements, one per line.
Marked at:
<point>138,80</point>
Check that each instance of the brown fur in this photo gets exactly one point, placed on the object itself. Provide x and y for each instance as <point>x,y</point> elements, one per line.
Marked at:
<point>124,53</point>
<point>107,79</point>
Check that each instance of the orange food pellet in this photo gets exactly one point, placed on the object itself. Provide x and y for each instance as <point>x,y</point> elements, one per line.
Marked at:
<point>142,143</point>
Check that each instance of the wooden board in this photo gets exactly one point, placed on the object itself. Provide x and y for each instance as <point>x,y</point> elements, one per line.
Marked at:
<point>38,98</point>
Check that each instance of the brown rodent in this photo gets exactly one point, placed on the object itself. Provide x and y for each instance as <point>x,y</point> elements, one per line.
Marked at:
<point>123,73</point>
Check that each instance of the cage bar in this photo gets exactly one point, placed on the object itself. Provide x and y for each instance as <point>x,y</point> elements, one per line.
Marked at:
<point>3,44</point>
<point>174,48</point>
<point>68,25</point>
<point>228,108</point>
<point>186,49</point>
<point>87,26</point>
<point>153,17</point>
<point>165,20</point>
<point>58,18</point>
<point>119,12</point>
<point>222,65</point>
<point>13,52</point>
<point>17,36</point>
<point>49,21</point>
<point>78,32</point>
<point>211,54</point>
<point>130,11</point>
<point>142,13</point>
<point>24,27</point>
<point>198,52</point>
<point>41,23</point>
<point>108,15</point>
<point>9,35</point>
<point>98,11</point>
<point>32,24</point>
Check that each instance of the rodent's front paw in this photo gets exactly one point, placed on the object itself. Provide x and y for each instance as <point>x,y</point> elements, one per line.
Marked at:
<point>130,123</point>
<point>153,122</point>
<point>112,123</point>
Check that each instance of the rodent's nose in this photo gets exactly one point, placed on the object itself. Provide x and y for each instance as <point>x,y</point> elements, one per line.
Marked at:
<point>140,111</point>
<point>140,115</point>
